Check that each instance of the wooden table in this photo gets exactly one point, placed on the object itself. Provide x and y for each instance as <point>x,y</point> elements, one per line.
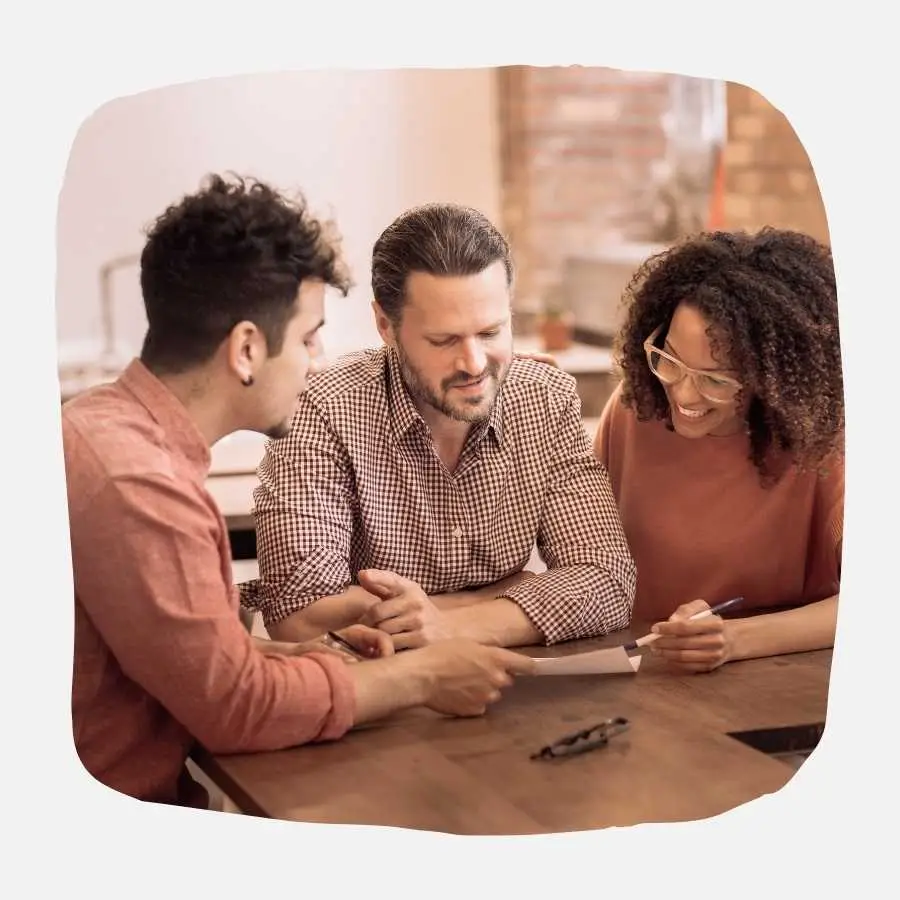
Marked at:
<point>474,776</point>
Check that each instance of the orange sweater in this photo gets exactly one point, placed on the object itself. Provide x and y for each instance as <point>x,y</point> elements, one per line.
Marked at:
<point>701,525</point>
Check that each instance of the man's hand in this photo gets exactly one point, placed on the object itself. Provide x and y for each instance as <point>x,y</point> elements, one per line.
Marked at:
<point>332,613</point>
<point>455,677</point>
<point>405,612</point>
<point>370,643</point>
<point>467,676</point>
<point>693,646</point>
<point>298,648</point>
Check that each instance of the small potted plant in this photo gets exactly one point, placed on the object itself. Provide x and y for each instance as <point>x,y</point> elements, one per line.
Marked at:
<point>556,324</point>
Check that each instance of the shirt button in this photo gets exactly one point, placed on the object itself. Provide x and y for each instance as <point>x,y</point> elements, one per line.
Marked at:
<point>457,532</point>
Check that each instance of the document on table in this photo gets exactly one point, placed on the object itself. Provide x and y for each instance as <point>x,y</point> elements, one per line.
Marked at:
<point>611,661</point>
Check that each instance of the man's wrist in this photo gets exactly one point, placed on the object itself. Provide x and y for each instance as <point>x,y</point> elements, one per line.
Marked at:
<point>499,622</point>
<point>418,673</point>
<point>457,600</point>
<point>494,591</point>
<point>382,686</point>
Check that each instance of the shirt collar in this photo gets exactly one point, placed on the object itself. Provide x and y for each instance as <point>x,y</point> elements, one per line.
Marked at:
<point>181,431</point>
<point>404,415</point>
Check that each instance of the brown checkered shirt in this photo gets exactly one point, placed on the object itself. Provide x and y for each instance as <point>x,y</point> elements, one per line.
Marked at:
<point>357,484</point>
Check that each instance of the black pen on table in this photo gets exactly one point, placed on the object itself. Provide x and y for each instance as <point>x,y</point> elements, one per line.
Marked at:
<point>712,611</point>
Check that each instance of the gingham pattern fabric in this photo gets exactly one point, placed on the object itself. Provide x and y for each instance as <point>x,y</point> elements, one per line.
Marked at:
<point>357,484</point>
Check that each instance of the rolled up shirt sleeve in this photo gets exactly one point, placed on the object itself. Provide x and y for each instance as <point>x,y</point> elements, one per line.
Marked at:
<point>151,577</point>
<point>303,508</point>
<point>589,586</point>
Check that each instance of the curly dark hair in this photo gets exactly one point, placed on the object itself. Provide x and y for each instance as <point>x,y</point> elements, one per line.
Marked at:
<point>771,301</point>
<point>236,250</point>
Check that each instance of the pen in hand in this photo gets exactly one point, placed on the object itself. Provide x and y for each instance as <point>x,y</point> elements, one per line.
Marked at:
<point>347,647</point>
<point>712,611</point>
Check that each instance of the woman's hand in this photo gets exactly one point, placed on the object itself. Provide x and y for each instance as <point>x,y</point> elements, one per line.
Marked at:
<point>688,646</point>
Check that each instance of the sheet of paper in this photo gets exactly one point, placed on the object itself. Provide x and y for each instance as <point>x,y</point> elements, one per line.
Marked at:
<point>596,662</point>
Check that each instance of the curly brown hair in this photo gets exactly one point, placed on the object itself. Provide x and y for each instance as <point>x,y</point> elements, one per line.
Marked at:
<point>236,249</point>
<point>771,302</point>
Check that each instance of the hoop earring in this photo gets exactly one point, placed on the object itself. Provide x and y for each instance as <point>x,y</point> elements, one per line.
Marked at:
<point>247,381</point>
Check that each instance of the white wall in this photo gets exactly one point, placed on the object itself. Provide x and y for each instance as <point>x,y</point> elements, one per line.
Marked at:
<point>362,146</point>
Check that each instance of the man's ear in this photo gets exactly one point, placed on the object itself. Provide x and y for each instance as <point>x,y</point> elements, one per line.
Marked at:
<point>246,351</point>
<point>384,325</point>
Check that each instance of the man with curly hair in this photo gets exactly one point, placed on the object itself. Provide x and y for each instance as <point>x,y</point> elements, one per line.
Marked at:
<point>724,445</point>
<point>233,280</point>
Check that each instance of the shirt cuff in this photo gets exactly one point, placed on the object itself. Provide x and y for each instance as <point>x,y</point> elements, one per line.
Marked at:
<point>343,697</point>
<point>568,604</point>
<point>321,573</point>
<point>249,594</point>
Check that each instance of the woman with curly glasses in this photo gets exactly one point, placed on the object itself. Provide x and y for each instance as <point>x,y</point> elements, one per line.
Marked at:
<point>724,443</point>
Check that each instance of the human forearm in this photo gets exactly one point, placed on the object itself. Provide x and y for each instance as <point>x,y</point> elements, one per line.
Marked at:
<point>293,648</point>
<point>479,595</point>
<point>386,686</point>
<point>498,622</point>
<point>235,692</point>
<point>179,637</point>
<point>304,522</point>
<point>413,620</point>
<point>277,648</point>
<point>453,677</point>
<point>588,588</point>
<point>576,602</point>
<point>810,627</point>
<point>326,614</point>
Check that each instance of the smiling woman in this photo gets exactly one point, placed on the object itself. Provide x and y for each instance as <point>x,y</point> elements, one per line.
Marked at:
<point>703,397</point>
<point>724,444</point>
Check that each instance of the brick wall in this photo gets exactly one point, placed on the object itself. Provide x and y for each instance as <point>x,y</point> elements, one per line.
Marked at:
<point>582,150</point>
<point>579,148</point>
<point>768,176</point>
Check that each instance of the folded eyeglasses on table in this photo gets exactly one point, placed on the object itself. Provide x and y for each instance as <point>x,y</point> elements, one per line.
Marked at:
<point>585,740</point>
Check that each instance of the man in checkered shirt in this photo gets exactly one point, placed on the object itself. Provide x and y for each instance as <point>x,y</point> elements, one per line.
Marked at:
<point>418,477</point>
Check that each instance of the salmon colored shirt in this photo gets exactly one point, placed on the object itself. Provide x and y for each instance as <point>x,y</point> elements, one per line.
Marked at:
<point>700,524</point>
<point>161,657</point>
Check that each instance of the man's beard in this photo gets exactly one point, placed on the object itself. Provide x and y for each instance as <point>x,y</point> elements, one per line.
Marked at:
<point>466,409</point>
